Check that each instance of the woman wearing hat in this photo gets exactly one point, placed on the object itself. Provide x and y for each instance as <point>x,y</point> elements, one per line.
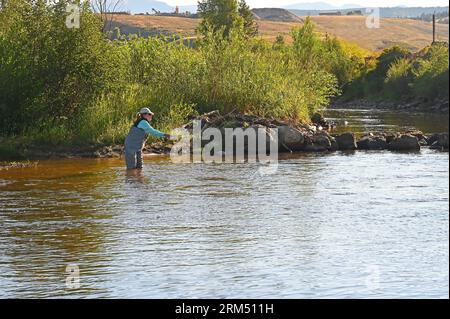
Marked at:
<point>137,137</point>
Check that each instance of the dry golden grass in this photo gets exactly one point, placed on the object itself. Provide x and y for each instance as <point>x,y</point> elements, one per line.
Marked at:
<point>410,34</point>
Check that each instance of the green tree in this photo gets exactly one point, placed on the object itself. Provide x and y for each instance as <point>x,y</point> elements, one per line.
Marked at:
<point>307,44</point>
<point>47,70</point>
<point>219,15</point>
<point>250,25</point>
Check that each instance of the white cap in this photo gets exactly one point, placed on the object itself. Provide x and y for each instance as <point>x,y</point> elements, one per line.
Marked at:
<point>146,111</point>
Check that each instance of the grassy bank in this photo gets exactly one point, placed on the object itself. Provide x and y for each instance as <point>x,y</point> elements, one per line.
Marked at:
<point>67,86</point>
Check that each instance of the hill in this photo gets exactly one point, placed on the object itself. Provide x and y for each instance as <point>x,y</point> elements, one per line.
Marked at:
<point>411,34</point>
<point>275,14</point>
<point>319,6</point>
<point>391,12</point>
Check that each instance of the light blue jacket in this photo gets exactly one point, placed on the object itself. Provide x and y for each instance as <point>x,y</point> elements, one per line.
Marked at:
<point>138,135</point>
<point>150,130</point>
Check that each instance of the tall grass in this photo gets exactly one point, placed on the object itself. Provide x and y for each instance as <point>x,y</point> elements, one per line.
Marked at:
<point>85,88</point>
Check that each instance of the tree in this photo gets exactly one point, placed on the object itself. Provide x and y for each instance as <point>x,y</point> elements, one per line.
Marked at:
<point>105,8</point>
<point>219,15</point>
<point>250,25</point>
<point>49,71</point>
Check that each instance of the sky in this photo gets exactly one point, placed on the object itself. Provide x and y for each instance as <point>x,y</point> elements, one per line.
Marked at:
<point>366,3</point>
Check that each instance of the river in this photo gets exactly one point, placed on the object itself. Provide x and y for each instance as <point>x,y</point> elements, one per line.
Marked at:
<point>342,225</point>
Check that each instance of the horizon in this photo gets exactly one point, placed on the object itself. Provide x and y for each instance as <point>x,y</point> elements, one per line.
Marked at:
<point>337,3</point>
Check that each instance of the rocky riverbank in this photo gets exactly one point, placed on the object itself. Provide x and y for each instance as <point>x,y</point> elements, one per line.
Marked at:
<point>292,137</point>
<point>417,105</point>
<point>300,137</point>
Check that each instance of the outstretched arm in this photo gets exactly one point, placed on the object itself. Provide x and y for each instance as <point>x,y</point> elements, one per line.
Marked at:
<point>150,130</point>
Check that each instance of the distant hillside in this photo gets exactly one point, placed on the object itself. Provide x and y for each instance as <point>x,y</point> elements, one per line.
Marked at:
<point>410,34</point>
<point>275,14</point>
<point>397,12</point>
<point>319,6</point>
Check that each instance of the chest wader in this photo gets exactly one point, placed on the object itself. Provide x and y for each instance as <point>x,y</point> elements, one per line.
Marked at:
<point>134,145</point>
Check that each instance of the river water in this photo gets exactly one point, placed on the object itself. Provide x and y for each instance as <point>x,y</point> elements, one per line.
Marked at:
<point>343,225</point>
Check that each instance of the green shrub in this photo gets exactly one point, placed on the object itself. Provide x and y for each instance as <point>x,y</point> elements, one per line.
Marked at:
<point>399,74</point>
<point>398,79</point>
<point>431,73</point>
<point>49,70</point>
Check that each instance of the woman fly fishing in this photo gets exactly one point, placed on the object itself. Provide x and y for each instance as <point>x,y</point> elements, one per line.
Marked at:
<point>135,141</point>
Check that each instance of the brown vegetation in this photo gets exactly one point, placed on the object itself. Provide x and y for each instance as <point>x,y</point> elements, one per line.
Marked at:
<point>410,34</point>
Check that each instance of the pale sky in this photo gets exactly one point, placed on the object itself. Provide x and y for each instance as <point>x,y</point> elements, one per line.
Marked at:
<point>366,3</point>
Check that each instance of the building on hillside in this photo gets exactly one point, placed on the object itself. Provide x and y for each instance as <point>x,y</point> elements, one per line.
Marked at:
<point>355,13</point>
<point>330,13</point>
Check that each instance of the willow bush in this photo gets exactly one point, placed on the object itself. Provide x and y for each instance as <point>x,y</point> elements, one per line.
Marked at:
<point>76,85</point>
<point>399,74</point>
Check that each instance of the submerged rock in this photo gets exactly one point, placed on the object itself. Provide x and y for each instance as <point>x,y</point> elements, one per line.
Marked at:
<point>405,142</point>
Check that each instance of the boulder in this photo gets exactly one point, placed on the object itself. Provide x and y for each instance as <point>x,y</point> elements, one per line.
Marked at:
<point>267,133</point>
<point>433,139</point>
<point>443,140</point>
<point>290,139</point>
<point>391,137</point>
<point>417,133</point>
<point>423,142</point>
<point>320,142</point>
<point>440,141</point>
<point>371,142</point>
<point>346,142</point>
<point>405,142</point>
<point>334,145</point>
<point>315,148</point>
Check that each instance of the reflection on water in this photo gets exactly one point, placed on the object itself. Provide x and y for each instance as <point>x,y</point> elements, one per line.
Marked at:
<point>364,121</point>
<point>326,225</point>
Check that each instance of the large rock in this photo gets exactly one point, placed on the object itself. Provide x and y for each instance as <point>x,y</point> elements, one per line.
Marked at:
<point>320,142</point>
<point>334,144</point>
<point>405,142</point>
<point>417,133</point>
<point>371,142</point>
<point>391,137</point>
<point>439,141</point>
<point>433,139</point>
<point>443,140</point>
<point>290,138</point>
<point>267,133</point>
<point>346,142</point>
